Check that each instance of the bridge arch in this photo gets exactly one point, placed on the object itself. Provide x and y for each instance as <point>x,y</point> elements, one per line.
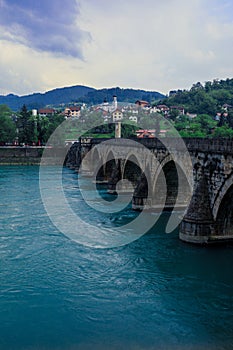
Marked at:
<point>95,158</point>
<point>161,164</point>
<point>221,196</point>
<point>132,169</point>
<point>171,181</point>
<point>109,164</point>
<point>132,156</point>
<point>97,165</point>
<point>224,219</point>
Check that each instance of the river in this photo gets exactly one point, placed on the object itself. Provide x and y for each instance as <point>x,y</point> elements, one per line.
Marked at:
<point>154,293</point>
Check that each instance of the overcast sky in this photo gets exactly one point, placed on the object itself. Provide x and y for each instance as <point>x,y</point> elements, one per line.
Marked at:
<point>153,45</point>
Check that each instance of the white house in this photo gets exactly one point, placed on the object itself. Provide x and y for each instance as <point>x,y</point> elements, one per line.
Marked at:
<point>133,118</point>
<point>117,115</point>
<point>72,112</point>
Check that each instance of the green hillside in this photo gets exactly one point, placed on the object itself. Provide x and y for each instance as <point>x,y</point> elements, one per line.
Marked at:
<point>208,109</point>
<point>203,99</point>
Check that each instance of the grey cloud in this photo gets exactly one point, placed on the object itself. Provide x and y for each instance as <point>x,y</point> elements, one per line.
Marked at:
<point>45,25</point>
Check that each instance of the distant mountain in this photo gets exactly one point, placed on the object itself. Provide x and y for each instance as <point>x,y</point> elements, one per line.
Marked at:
<point>77,93</point>
<point>52,97</point>
<point>123,95</point>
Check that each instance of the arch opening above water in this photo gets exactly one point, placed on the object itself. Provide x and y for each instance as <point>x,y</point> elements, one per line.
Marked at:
<point>224,218</point>
<point>132,170</point>
<point>171,187</point>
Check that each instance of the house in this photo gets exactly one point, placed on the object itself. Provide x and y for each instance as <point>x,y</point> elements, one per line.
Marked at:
<point>217,117</point>
<point>117,115</point>
<point>133,118</point>
<point>43,112</point>
<point>191,115</point>
<point>141,103</point>
<point>142,134</point>
<point>72,112</point>
<point>226,107</point>
<point>101,110</point>
<point>178,108</point>
<point>155,109</point>
<point>163,108</point>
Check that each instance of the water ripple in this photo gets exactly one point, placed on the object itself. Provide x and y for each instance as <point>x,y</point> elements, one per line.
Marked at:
<point>155,293</point>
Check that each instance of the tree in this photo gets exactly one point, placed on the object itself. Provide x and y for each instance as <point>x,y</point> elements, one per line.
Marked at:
<point>7,129</point>
<point>208,85</point>
<point>173,114</point>
<point>128,130</point>
<point>5,110</point>
<point>26,124</point>
<point>223,131</point>
<point>206,122</point>
<point>197,86</point>
<point>230,119</point>
<point>42,124</point>
<point>49,128</point>
<point>200,126</point>
<point>222,120</point>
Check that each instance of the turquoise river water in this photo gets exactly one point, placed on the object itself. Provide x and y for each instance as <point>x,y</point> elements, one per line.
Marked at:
<point>154,293</point>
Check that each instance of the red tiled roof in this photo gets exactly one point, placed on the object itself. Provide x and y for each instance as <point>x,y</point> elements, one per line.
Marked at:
<point>46,111</point>
<point>74,108</point>
<point>117,110</point>
<point>141,102</point>
<point>162,106</point>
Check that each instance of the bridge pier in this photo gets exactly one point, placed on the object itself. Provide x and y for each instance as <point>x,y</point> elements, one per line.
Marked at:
<point>198,224</point>
<point>114,178</point>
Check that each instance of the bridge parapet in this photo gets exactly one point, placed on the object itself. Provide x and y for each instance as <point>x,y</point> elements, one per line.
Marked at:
<point>217,145</point>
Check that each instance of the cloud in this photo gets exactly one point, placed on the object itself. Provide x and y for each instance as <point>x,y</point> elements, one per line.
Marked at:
<point>43,25</point>
<point>154,45</point>
<point>158,44</point>
<point>24,70</point>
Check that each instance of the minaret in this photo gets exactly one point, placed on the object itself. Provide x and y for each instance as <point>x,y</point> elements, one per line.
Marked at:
<point>117,123</point>
<point>115,102</point>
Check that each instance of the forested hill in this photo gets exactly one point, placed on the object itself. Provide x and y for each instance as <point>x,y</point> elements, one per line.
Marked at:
<point>123,95</point>
<point>52,97</point>
<point>77,93</point>
<point>203,99</point>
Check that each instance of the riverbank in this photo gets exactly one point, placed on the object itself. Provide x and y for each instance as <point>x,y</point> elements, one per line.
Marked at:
<point>31,155</point>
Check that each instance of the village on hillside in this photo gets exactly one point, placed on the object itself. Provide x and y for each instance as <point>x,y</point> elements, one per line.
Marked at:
<point>199,116</point>
<point>114,112</point>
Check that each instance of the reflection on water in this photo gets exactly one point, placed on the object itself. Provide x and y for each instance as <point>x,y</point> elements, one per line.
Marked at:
<point>155,293</point>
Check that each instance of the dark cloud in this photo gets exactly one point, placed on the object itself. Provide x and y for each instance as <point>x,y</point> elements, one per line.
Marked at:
<point>47,25</point>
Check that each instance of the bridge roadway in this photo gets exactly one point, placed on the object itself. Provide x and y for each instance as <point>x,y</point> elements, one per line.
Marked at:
<point>193,174</point>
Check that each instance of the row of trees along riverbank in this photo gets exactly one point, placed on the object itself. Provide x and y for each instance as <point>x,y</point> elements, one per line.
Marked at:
<point>24,128</point>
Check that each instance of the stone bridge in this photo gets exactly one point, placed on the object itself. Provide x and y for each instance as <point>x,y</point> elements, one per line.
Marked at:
<point>194,175</point>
